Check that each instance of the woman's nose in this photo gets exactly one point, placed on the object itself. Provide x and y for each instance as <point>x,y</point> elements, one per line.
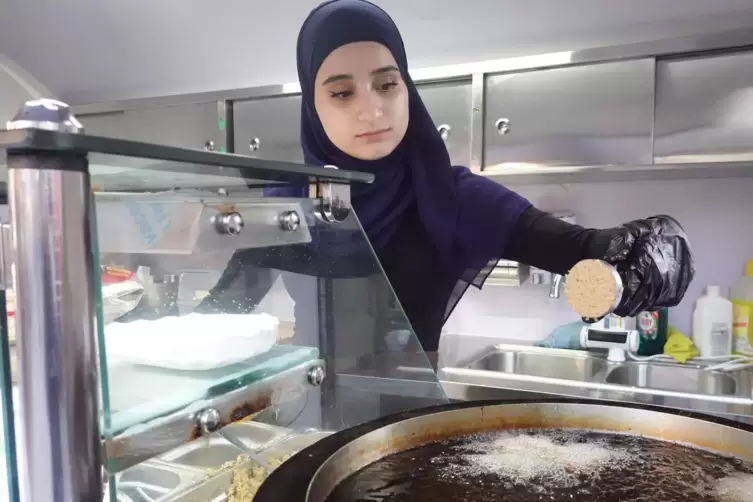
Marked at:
<point>370,107</point>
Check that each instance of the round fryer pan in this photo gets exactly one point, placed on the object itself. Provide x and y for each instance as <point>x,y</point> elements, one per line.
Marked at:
<point>312,474</point>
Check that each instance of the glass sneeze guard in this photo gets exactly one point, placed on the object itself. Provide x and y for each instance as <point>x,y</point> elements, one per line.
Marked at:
<point>218,309</point>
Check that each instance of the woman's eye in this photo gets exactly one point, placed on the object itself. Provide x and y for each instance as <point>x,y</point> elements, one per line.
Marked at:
<point>341,95</point>
<point>387,86</point>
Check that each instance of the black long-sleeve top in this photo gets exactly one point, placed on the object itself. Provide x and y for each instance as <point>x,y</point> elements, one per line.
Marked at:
<point>424,286</point>
<point>546,242</point>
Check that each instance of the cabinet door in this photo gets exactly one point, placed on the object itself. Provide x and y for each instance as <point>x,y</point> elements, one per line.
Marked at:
<point>269,128</point>
<point>590,115</point>
<point>704,109</point>
<point>449,104</point>
<point>187,126</point>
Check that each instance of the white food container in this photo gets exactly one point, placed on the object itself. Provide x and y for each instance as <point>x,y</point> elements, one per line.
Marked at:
<point>193,342</point>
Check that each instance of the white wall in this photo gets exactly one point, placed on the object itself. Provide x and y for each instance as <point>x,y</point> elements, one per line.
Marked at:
<point>717,214</point>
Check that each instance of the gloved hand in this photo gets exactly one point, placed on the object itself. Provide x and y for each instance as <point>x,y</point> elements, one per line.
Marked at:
<point>654,259</point>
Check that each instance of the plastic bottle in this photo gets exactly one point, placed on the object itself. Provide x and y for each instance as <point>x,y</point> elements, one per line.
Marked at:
<point>712,324</point>
<point>741,295</point>
<point>652,329</point>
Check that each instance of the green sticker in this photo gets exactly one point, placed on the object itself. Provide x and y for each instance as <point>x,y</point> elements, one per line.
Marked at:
<point>221,124</point>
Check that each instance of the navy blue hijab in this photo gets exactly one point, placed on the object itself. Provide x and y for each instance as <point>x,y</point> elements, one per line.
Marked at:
<point>468,218</point>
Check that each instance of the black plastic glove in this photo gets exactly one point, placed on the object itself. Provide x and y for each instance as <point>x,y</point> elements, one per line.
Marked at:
<point>654,259</point>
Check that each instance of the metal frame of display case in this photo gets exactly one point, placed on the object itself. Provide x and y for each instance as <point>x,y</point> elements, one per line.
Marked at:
<point>51,208</point>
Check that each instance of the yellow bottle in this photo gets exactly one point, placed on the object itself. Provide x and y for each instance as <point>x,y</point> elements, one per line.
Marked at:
<point>741,295</point>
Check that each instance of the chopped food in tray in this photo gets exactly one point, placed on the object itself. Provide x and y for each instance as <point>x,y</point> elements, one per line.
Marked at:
<point>247,476</point>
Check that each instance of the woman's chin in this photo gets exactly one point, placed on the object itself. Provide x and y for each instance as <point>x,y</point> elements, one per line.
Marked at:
<point>372,152</point>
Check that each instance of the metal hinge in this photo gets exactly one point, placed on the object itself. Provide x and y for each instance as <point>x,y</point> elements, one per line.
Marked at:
<point>335,200</point>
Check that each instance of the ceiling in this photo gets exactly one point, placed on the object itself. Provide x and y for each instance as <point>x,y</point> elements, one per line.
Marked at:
<point>95,50</point>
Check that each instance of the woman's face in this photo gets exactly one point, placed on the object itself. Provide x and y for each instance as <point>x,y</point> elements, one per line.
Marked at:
<point>361,100</point>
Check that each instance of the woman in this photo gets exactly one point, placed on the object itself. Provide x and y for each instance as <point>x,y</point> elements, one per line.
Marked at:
<point>435,227</point>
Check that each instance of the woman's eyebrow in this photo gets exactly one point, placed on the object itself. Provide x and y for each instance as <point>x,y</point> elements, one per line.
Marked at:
<point>385,69</point>
<point>348,76</point>
<point>335,78</point>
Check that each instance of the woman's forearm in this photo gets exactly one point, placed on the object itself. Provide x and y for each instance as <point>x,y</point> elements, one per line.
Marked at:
<point>546,242</point>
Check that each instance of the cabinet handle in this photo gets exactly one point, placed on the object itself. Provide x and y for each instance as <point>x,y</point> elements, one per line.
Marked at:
<point>209,146</point>
<point>444,131</point>
<point>503,126</point>
<point>254,144</point>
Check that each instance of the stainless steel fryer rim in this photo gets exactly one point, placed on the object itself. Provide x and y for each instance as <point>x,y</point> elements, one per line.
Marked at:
<point>412,432</point>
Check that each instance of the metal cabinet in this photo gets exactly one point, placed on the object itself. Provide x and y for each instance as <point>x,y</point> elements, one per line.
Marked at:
<point>704,109</point>
<point>269,128</point>
<point>199,125</point>
<point>449,104</point>
<point>591,115</point>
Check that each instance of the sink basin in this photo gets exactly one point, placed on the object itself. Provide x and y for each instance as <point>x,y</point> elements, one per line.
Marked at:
<point>673,378</point>
<point>551,363</point>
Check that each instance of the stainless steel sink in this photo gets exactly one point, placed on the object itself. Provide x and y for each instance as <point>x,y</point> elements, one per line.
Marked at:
<point>673,378</point>
<point>541,362</point>
<point>523,372</point>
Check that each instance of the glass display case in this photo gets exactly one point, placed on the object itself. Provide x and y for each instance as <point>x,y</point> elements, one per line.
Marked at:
<point>168,330</point>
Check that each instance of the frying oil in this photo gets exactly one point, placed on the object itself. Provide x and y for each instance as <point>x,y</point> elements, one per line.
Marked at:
<point>552,465</point>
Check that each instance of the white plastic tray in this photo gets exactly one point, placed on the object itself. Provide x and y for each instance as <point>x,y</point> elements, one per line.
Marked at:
<point>193,342</point>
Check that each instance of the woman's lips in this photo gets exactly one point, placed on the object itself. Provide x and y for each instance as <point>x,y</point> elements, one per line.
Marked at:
<point>373,135</point>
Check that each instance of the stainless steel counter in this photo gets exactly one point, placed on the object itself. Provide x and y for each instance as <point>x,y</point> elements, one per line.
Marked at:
<point>521,372</point>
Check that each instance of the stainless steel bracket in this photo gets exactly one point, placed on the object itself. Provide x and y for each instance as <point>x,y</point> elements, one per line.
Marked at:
<point>335,200</point>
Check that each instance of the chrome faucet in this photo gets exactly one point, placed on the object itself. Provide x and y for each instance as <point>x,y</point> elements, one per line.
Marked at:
<point>554,291</point>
